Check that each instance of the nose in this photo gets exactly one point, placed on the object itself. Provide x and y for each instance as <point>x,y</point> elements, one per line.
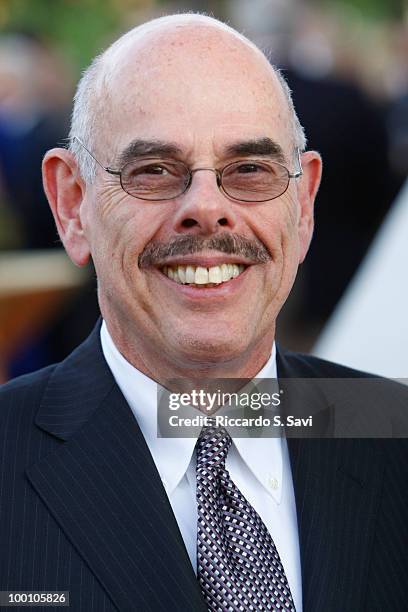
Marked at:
<point>204,209</point>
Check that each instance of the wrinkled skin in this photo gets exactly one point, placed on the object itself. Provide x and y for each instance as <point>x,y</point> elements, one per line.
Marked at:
<point>191,83</point>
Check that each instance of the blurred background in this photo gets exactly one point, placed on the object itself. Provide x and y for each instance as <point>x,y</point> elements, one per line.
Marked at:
<point>347,64</point>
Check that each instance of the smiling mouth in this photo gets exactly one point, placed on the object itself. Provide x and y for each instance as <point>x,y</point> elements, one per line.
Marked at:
<point>199,276</point>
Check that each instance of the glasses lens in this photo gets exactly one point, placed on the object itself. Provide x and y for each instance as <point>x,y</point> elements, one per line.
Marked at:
<point>155,179</point>
<point>253,181</point>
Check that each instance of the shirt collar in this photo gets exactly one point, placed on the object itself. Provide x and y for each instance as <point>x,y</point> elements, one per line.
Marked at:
<point>263,456</point>
<point>172,456</point>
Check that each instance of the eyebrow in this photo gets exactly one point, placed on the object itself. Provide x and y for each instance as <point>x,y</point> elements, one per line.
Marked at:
<point>158,148</point>
<point>142,148</point>
<point>259,146</point>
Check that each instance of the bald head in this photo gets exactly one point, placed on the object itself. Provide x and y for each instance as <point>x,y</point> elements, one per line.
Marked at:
<point>202,132</point>
<point>149,58</point>
<point>182,26</point>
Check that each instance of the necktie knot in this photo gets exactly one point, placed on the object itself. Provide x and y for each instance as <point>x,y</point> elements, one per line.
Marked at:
<point>212,447</point>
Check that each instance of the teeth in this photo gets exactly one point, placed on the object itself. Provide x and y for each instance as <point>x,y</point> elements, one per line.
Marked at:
<point>199,275</point>
<point>215,275</point>
<point>225,272</point>
<point>190,274</point>
<point>181,274</point>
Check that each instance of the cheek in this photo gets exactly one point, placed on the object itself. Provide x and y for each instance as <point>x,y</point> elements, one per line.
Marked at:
<point>118,222</point>
<point>276,226</point>
<point>119,227</point>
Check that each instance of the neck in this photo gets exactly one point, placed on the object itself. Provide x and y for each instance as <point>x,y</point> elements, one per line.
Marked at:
<point>160,367</point>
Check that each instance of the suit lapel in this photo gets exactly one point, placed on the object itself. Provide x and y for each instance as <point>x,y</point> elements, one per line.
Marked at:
<point>337,487</point>
<point>102,487</point>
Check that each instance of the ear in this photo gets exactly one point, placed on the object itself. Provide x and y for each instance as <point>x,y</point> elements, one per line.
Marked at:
<point>307,190</point>
<point>65,191</point>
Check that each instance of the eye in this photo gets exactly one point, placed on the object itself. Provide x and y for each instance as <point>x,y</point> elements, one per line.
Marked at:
<point>250,168</point>
<point>154,169</point>
<point>154,177</point>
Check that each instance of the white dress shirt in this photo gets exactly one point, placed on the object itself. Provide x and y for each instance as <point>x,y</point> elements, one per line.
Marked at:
<point>260,467</point>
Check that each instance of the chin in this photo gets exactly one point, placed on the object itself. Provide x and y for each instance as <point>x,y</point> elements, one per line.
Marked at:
<point>209,350</point>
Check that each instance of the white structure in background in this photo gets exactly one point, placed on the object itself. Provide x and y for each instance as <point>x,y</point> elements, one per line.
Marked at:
<point>369,328</point>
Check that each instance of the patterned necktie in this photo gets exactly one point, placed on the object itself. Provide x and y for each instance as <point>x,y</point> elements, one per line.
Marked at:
<point>238,566</point>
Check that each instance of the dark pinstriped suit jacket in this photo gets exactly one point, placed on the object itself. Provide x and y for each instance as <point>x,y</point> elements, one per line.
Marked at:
<point>82,507</point>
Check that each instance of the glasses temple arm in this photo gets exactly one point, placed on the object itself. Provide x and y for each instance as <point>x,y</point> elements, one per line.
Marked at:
<point>299,171</point>
<point>106,168</point>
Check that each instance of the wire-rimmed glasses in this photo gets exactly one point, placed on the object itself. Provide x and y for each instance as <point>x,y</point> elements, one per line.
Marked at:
<point>247,180</point>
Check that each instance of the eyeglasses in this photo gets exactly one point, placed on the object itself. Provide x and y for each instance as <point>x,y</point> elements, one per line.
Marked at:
<point>248,180</point>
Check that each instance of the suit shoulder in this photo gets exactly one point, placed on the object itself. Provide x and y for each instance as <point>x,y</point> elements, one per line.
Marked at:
<point>24,391</point>
<point>308,367</point>
<point>315,367</point>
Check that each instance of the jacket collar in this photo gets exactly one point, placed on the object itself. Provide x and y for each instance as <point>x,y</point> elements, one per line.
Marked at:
<point>75,389</point>
<point>102,487</point>
<point>337,485</point>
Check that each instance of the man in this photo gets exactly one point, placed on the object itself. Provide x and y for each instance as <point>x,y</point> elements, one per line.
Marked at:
<point>187,183</point>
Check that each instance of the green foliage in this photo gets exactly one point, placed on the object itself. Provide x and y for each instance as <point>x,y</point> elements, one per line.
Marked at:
<point>79,28</point>
<point>374,9</point>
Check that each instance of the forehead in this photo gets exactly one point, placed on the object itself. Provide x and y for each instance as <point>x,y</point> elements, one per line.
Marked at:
<point>198,86</point>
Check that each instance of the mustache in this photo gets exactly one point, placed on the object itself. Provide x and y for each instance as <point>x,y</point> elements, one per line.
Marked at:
<point>233,244</point>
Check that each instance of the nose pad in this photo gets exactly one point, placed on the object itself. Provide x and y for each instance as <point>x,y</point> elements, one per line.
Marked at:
<point>218,178</point>
<point>203,209</point>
